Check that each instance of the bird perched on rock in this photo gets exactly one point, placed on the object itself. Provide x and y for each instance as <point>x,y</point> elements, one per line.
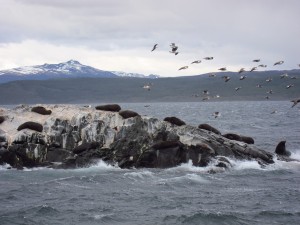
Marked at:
<point>256,60</point>
<point>253,68</point>
<point>222,69</point>
<point>154,47</point>
<point>197,61</point>
<point>208,58</point>
<point>183,68</point>
<point>295,101</point>
<point>278,63</point>
<point>226,78</point>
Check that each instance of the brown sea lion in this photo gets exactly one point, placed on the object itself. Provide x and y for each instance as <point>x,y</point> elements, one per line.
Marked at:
<point>209,128</point>
<point>281,150</point>
<point>31,125</point>
<point>174,120</point>
<point>236,137</point>
<point>109,107</point>
<point>128,114</point>
<point>41,110</point>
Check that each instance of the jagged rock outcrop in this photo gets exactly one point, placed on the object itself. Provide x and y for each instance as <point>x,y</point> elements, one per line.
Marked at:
<point>77,137</point>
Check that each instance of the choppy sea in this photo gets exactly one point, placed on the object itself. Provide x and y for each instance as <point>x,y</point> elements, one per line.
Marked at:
<point>103,194</point>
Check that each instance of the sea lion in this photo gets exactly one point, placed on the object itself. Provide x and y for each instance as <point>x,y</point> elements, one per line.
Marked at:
<point>205,126</point>
<point>41,110</point>
<point>236,137</point>
<point>2,119</point>
<point>128,114</point>
<point>109,107</point>
<point>174,120</point>
<point>31,125</point>
<point>281,150</point>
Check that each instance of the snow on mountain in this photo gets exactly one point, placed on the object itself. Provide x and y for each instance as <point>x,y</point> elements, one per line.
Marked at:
<point>124,74</point>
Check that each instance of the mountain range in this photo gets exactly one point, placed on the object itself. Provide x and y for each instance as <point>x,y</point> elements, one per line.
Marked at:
<point>69,69</point>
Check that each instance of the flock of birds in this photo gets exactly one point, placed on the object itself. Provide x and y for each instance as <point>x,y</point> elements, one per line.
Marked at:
<point>174,50</point>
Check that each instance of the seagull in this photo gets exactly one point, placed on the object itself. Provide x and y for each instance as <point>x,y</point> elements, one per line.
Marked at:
<point>197,61</point>
<point>147,87</point>
<point>253,68</point>
<point>270,92</point>
<point>289,86</point>
<point>154,47</point>
<point>226,78</point>
<point>222,69</point>
<point>275,111</point>
<point>205,92</point>
<point>278,63</point>
<point>173,48</point>
<point>293,78</point>
<point>183,68</point>
<point>256,60</point>
<point>262,65</point>
<point>295,101</point>
<point>205,98</point>
<point>237,88</point>
<point>208,58</point>
<point>216,96</point>
<point>212,75</point>
<point>269,79</point>
<point>267,97</point>
<point>284,75</point>
<point>242,70</point>
<point>216,114</point>
<point>258,86</point>
<point>243,77</point>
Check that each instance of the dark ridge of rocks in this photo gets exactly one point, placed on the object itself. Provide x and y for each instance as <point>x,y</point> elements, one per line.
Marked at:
<point>41,110</point>
<point>128,114</point>
<point>174,120</point>
<point>32,126</point>
<point>85,147</point>
<point>2,119</point>
<point>109,107</point>
<point>209,128</point>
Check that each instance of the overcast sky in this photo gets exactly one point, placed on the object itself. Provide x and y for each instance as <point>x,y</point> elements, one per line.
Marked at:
<point>119,34</point>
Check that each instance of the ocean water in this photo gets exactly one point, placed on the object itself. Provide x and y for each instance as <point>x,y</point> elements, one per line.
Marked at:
<point>103,194</point>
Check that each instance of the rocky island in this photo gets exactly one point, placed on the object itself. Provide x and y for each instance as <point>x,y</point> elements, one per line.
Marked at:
<point>69,136</point>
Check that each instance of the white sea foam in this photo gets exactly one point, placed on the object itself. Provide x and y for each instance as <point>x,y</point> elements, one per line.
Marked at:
<point>5,167</point>
<point>141,174</point>
<point>100,166</point>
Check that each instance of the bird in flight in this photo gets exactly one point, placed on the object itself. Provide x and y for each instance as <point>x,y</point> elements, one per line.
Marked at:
<point>278,63</point>
<point>237,88</point>
<point>289,86</point>
<point>242,70</point>
<point>154,47</point>
<point>208,58</point>
<point>226,78</point>
<point>253,68</point>
<point>197,61</point>
<point>262,65</point>
<point>295,101</point>
<point>216,114</point>
<point>256,60</point>
<point>183,68</point>
<point>285,75</point>
<point>212,75</point>
<point>243,77</point>
<point>222,69</point>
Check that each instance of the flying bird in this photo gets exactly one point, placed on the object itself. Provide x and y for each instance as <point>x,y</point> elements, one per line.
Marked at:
<point>173,48</point>
<point>212,75</point>
<point>226,78</point>
<point>183,68</point>
<point>205,92</point>
<point>267,97</point>
<point>258,86</point>
<point>256,60</point>
<point>208,58</point>
<point>253,68</point>
<point>275,111</point>
<point>237,88</point>
<point>154,47</point>
<point>289,86</point>
<point>285,75</point>
<point>295,101</point>
<point>197,61</point>
<point>243,77</point>
<point>242,70</point>
<point>216,114</point>
<point>293,78</point>
<point>270,92</point>
<point>269,79</point>
<point>147,87</point>
<point>262,65</point>
<point>278,63</point>
<point>222,69</point>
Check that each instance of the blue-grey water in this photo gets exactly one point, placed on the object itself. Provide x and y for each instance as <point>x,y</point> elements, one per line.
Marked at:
<point>103,194</point>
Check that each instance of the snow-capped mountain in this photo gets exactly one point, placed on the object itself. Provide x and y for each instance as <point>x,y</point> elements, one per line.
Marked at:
<point>124,74</point>
<point>69,69</point>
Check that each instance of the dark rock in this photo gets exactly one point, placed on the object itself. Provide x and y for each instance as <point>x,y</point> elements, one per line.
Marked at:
<point>128,114</point>
<point>57,155</point>
<point>2,119</point>
<point>200,154</point>
<point>41,110</point>
<point>209,128</point>
<point>174,120</point>
<point>31,125</point>
<point>109,107</point>
<point>85,147</point>
<point>281,150</point>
